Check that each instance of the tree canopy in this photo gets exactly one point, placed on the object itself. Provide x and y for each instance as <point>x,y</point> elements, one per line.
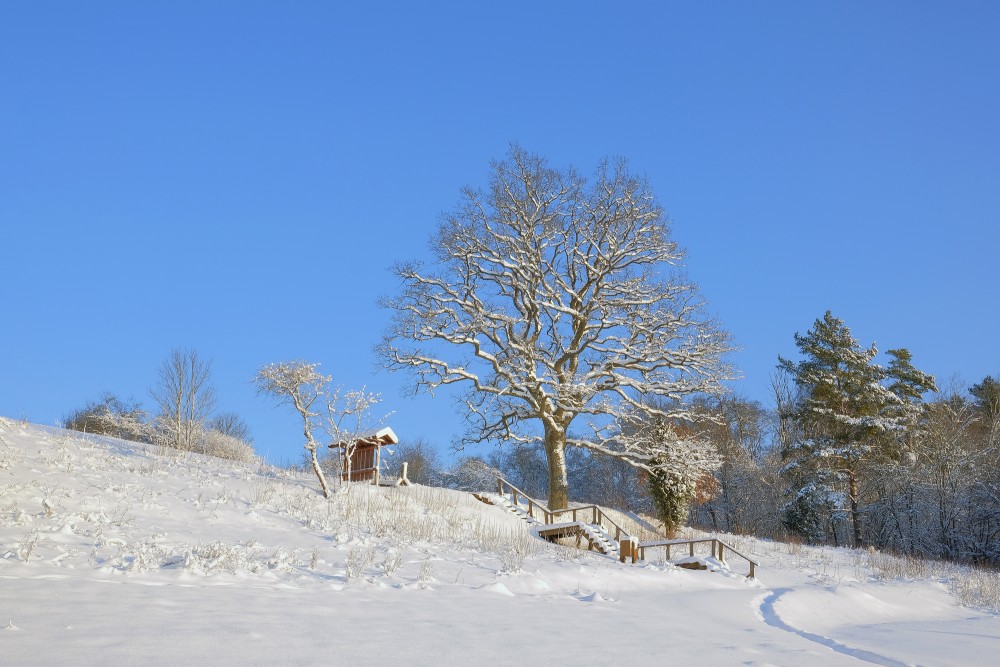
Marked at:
<point>554,297</point>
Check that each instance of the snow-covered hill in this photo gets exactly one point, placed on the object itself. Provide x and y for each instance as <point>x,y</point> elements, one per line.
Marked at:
<point>116,554</point>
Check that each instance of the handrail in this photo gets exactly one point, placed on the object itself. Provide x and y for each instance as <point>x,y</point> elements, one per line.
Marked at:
<point>597,515</point>
<point>717,546</point>
<point>621,535</point>
<point>532,503</point>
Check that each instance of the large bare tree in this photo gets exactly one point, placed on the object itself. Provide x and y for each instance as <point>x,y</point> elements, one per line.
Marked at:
<point>185,397</point>
<point>555,298</point>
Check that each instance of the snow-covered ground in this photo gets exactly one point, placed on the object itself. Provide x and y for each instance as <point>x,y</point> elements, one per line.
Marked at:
<point>112,553</point>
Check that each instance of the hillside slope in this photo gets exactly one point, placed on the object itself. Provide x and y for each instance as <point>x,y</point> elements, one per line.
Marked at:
<point>113,553</point>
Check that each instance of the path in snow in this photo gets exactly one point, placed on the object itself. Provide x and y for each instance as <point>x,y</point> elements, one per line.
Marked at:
<point>769,615</point>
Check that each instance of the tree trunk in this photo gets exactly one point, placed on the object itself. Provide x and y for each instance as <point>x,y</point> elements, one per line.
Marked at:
<point>855,513</point>
<point>319,472</point>
<point>555,452</point>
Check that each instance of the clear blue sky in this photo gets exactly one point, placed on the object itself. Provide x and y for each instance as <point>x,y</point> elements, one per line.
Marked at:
<point>236,177</point>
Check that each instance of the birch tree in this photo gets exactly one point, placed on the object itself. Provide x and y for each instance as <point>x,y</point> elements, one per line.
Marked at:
<point>558,304</point>
<point>185,397</point>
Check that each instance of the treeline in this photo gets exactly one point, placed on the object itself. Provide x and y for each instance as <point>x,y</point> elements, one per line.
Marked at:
<point>185,416</point>
<point>855,454</point>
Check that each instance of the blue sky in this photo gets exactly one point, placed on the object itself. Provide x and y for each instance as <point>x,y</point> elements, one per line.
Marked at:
<point>236,177</point>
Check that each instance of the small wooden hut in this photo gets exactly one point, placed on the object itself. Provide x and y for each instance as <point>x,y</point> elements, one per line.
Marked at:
<point>362,458</point>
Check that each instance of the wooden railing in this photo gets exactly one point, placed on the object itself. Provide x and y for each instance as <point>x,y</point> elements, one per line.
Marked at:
<point>628,546</point>
<point>718,547</point>
<point>516,494</point>
<point>597,517</point>
<point>593,512</point>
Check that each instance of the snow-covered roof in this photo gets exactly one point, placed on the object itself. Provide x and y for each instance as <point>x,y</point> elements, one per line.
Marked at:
<point>383,436</point>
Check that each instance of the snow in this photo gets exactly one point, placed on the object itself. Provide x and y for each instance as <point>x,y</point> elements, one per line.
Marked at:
<point>115,553</point>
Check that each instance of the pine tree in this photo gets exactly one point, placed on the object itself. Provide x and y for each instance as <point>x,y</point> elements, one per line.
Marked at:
<point>849,411</point>
<point>987,402</point>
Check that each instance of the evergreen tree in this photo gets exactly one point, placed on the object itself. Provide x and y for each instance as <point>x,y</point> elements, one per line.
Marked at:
<point>987,402</point>
<point>849,411</point>
<point>987,395</point>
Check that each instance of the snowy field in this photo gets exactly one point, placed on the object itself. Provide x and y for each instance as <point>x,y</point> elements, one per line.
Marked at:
<point>114,553</point>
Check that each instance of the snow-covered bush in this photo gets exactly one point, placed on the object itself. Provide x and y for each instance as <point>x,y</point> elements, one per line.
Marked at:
<point>471,474</point>
<point>216,443</point>
<point>357,561</point>
<point>111,415</point>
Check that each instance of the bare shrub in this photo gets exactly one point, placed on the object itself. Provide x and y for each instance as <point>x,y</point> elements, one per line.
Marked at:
<point>392,561</point>
<point>887,566</point>
<point>427,574</point>
<point>977,587</point>
<point>27,545</point>
<point>357,561</point>
<point>113,416</point>
<point>219,557</point>
<point>140,557</point>
<point>216,443</point>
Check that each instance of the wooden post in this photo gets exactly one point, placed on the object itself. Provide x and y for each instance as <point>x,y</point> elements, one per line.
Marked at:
<point>691,545</point>
<point>499,486</point>
<point>595,514</point>
<point>624,550</point>
<point>751,570</point>
<point>531,508</point>
<point>668,551</point>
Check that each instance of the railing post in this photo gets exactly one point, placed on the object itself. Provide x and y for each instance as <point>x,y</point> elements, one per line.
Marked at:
<point>668,551</point>
<point>595,514</point>
<point>691,545</point>
<point>628,548</point>
<point>515,496</point>
<point>499,486</point>
<point>751,569</point>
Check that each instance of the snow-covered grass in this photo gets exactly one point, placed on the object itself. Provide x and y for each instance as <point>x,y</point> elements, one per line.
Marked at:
<point>120,553</point>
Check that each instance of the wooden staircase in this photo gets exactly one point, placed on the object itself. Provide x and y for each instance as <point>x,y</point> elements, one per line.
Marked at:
<point>601,532</point>
<point>586,522</point>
